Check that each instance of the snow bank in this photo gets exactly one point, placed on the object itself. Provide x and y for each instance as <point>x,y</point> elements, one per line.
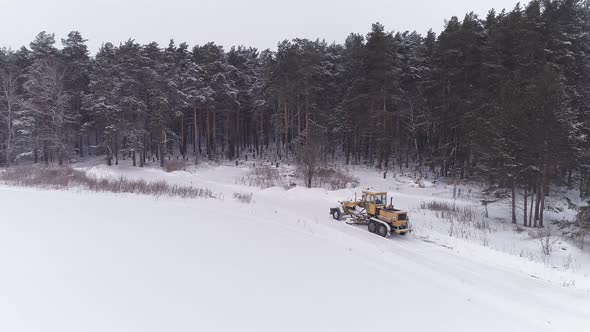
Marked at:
<point>82,261</point>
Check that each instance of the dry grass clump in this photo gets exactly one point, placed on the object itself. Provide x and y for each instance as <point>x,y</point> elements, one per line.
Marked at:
<point>66,177</point>
<point>464,221</point>
<point>43,177</point>
<point>263,177</point>
<point>176,165</point>
<point>334,179</point>
<point>245,198</point>
<point>463,213</point>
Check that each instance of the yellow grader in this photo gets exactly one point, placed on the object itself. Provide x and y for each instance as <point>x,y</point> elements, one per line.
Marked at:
<point>372,210</point>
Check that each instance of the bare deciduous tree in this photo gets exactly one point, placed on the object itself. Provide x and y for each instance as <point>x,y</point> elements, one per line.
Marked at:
<point>309,145</point>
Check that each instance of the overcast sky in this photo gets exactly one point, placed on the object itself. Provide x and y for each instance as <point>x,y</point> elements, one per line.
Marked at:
<point>258,23</point>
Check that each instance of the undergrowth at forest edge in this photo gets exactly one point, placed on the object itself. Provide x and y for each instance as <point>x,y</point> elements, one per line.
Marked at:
<point>67,177</point>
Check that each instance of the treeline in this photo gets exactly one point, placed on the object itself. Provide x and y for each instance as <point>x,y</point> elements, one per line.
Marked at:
<point>505,97</point>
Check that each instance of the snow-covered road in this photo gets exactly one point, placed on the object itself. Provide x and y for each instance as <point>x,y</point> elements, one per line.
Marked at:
<point>81,261</point>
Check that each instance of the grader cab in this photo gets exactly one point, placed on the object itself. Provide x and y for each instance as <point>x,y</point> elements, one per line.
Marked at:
<point>372,210</point>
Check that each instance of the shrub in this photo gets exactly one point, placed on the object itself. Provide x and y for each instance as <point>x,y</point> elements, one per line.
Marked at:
<point>464,213</point>
<point>263,177</point>
<point>577,229</point>
<point>546,239</point>
<point>175,165</point>
<point>245,198</point>
<point>46,177</point>
<point>334,179</point>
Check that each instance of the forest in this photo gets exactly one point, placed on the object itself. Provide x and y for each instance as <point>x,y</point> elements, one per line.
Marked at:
<point>504,99</point>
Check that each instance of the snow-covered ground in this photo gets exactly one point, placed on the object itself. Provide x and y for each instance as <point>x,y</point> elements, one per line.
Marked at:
<point>81,261</point>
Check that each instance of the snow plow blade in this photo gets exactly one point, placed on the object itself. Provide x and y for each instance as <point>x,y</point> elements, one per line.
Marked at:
<point>401,231</point>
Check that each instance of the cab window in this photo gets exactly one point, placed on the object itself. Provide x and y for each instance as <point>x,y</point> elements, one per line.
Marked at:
<point>380,199</point>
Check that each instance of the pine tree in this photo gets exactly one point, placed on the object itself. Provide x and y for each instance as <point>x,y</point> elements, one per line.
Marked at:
<point>355,99</point>
<point>101,103</point>
<point>382,71</point>
<point>75,54</point>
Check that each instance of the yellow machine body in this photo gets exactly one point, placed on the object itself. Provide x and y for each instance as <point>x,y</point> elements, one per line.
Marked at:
<point>374,211</point>
<point>376,205</point>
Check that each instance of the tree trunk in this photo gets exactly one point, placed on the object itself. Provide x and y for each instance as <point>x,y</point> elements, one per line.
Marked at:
<point>162,147</point>
<point>286,139</point>
<point>347,149</point>
<point>208,136</point>
<point>533,193</point>
<point>513,201</point>
<point>196,134</point>
<point>81,145</point>
<point>537,203</point>
<point>116,151</point>
<point>45,153</point>
<point>8,136</point>
<point>542,194</point>
<point>525,200</point>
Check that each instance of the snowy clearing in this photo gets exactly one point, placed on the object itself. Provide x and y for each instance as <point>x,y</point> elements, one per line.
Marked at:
<point>82,261</point>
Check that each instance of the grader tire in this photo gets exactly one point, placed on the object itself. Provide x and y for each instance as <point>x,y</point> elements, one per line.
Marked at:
<point>382,230</point>
<point>372,227</point>
<point>336,215</point>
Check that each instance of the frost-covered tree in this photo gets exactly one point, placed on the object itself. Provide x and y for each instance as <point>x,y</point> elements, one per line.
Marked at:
<point>502,98</point>
<point>48,107</point>
<point>10,102</point>
<point>222,96</point>
<point>101,104</point>
<point>75,54</point>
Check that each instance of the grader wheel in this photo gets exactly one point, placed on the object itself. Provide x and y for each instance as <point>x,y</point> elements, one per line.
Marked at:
<point>382,230</point>
<point>372,227</point>
<point>336,215</point>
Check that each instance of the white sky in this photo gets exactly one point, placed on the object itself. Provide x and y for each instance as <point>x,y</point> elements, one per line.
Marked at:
<point>258,23</point>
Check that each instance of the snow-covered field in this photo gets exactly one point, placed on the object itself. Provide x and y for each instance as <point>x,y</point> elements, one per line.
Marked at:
<point>81,261</point>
